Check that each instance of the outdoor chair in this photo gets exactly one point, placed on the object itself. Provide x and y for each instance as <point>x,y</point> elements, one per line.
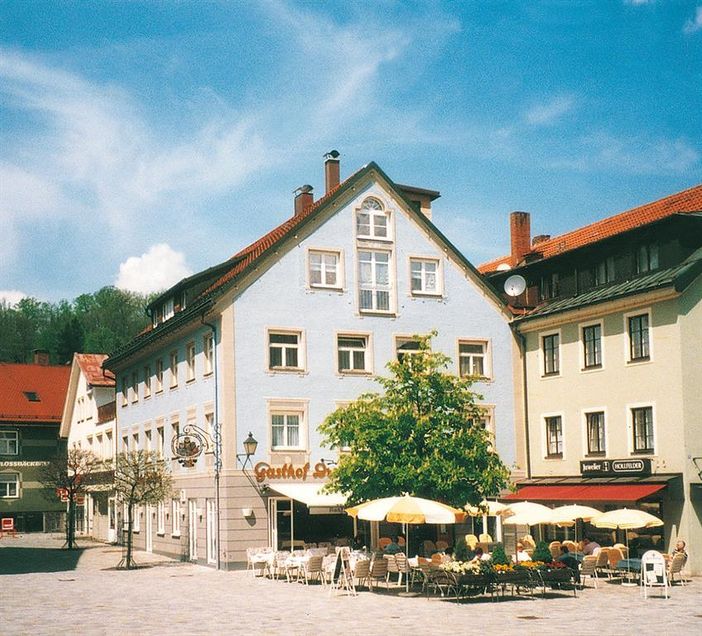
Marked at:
<point>443,582</point>
<point>378,572</point>
<point>603,562</point>
<point>485,538</point>
<point>403,567</point>
<point>555,549</point>
<point>528,542</point>
<point>472,541</point>
<point>313,570</point>
<point>588,568</point>
<point>677,563</point>
<point>571,545</point>
<point>361,575</point>
<point>392,566</point>
<point>429,547</point>
<point>383,542</point>
<point>276,568</point>
<point>257,559</point>
<point>615,556</point>
<point>624,550</point>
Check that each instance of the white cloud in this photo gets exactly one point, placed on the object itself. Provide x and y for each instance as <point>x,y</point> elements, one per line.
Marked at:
<point>159,268</point>
<point>551,111</point>
<point>11,296</point>
<point>694,24</point>
<point>638,3</point>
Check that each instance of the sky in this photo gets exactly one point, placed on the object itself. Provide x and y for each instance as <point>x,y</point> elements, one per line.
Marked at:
<point>141,141</point>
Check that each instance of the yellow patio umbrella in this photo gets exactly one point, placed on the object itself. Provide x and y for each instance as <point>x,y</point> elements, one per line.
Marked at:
<point>406,509</point>
<point>485,509</point>
<point>626,519</point>
<point>568,515</point>
<point>525,513</point>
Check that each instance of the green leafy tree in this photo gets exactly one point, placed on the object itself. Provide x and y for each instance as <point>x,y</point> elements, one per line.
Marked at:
<point>542,552</point>
<point>498,556</point>
<point>423,435</point>
<point>140,478</point>
<point>70,472</point>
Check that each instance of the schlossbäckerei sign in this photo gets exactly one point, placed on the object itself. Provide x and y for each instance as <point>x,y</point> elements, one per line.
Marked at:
<point>616,467</point>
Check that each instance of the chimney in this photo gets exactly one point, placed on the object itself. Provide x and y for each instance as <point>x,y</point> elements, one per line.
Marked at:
<point>303,199</point>
<point>41,356</point>
<point>520,236</point>
<point>331,170</point>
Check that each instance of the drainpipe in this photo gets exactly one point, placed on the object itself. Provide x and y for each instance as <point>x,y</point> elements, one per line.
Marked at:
<point>525,394</point>
<point>217,435</point>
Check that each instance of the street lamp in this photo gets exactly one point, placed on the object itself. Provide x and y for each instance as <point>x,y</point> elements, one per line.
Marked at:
<point>250,446</point>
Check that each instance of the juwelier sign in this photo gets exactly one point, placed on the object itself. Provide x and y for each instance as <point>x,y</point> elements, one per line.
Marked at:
<point>639,467</point>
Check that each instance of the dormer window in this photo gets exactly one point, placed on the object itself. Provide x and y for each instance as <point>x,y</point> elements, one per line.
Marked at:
<point>372,220</point>
<point>646,258</point>
<point>32,396</point>
<point>168,309</point>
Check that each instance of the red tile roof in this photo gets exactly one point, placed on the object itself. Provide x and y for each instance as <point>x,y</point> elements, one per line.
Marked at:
<point>686,201</point>
<point>91,366</point>
<point>50,383</point>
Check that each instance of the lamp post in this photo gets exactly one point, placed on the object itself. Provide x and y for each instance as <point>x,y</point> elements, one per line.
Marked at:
<point>250,446</point>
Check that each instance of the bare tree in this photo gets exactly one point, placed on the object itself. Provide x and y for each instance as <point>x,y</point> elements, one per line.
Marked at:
<point>140,478</point>
<point>68,476</point>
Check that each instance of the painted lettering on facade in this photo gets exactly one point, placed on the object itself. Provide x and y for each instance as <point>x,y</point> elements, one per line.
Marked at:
<point>263,471</point>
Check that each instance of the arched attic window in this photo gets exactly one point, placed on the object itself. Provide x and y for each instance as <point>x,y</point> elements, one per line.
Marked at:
<point>372,220</point>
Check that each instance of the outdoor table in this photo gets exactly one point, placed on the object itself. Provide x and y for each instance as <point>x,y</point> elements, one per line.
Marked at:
<point>630,567</point>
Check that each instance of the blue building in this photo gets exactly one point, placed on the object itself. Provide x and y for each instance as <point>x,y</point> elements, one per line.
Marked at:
<point>277,337</point>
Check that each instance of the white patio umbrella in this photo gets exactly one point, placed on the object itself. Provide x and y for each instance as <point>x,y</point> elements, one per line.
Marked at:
<point>485,509</point>
<point>568,515</point>
<point>626,519</point>
<point>406,509</point>
<point>525,513</point>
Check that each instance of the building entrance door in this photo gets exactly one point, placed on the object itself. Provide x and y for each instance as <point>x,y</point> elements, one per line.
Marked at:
<point>149,528</point>
<point>280,523</point>
<point>192,529</point>
<point>211,531</point>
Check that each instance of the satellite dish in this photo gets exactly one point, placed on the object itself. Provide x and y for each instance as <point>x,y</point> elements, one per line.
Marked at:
<point>515,285</point>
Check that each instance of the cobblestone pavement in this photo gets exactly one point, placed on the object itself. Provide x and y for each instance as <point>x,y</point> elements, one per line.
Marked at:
<point>44,590</point>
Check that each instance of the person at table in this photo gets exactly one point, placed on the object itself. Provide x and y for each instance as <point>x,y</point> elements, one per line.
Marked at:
<point>522,554</point>
<point>679,549</point>
<point>589,546</point>
<point>479,555</point>
<point>393,547</point>
<point>567,559</point>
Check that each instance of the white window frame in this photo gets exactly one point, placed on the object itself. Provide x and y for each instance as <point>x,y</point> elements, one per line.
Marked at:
<point>160,518</point>
<point>136,522</point>
<point>374,287</point>
<point>401,339</point>
<point>7,437</point>
<point>159,375</point>
<point>542,357</point>
<point>320,251</point>
<point>208,353</point>
<point>583,352</point>
<point>175,517</point>
<point>627,337</point>
<point>125,390</point>
<point>125,443</point>
<point>630,428</point>
<point>175,428</point>
<point>544,436</point>
<point>438,276</point>
<point>160,438</point>
<point>135,386</point>
<point>297,407</point>
<point>17,485</point>
<point>190,361</point>
<point>301,357</point>
<point>148,438</point>
<point>147,381</point>
<point>586,432</point>
<point>173,368</point>
<point>368,353</point>
<point>372,214</point>
<point>486,356</point>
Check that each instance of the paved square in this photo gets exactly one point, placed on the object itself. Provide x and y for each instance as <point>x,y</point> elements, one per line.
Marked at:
<point>47,591</point>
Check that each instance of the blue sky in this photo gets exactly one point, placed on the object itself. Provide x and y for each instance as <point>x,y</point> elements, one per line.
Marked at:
<point>142,141</point>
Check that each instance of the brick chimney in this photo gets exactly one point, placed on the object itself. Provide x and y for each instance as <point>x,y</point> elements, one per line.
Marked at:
<point>303,198</point>
<point>41,356</point>
<point>520,236</point>
<point>332,174</point>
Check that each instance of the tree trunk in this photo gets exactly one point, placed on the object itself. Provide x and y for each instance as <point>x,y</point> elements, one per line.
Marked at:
<point>71,524</point>
<point>130,520</point>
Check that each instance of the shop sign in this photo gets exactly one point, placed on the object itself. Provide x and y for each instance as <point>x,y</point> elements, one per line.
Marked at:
<point>264,470</point>
<point>23,464</point>
<point>615,467</point>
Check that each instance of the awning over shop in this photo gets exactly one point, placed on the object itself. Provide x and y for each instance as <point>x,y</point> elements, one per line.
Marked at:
<point>586,492</point>
<point>311,495</point>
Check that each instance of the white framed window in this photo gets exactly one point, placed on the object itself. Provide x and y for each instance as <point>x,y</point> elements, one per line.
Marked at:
<point>160,518</point>
<point>553,425</point>
<point>136,522</point>
<point>374,281</point>
<point>147,381</point>
<point>99,445</point>
<point>175,428</point>
<point>591,346</point>
<point>209,425</point>
<point>208,353</point>
<point>109,449</point>
<point>425,276</point>
<point>9,442</point>
<point>372,220</point>
<point>190,361</point>
<point>175,517</point>
<point>474,359</point>
<point>135,386</point>
<point>638,332</point>
<point>288,425</point>
<point>148,441</point>
<point>285,351</point>
<point>125,443</point>
<point>406,346</point>
<point>353,354</point>
<point>159,375</point>
<point>125,389</point>
<point>595,433</point>
<point>159,441</point>
<point>135,441</point>
<point>9,485</point>
<point>174,369</point>
<point>324,269</point>
<point>551,354</point>
<point>642,430</point>
<point>168,309</point>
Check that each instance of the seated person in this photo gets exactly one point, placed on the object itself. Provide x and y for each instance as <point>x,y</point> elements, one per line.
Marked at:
<point>567,559</point>
<point>521,555</point>
<point>589,546</point>
<point>479,555</point>
<point>679,549</point>
<point>392,547</point>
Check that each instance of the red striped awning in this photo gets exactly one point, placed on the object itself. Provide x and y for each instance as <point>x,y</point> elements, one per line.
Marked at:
<point>586,492</point>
